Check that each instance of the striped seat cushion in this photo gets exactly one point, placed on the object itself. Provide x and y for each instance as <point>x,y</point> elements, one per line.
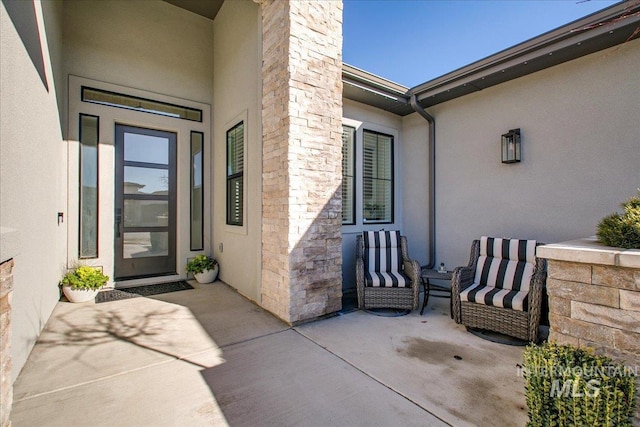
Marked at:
<point>503,273</point>
<point>488,295</point>
<point>383,259</point>
<point>393,279</point>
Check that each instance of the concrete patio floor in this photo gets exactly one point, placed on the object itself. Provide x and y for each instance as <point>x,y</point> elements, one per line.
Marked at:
<point>209,357</point>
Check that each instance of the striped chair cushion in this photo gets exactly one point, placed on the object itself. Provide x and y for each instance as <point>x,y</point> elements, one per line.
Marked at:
<point>383,259</point>
<point>503,273</point>
<point>488,295</point>
<point>505,263</point>
<point>393,279</point>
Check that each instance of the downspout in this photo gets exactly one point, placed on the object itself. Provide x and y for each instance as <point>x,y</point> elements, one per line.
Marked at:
<point>413,100</point>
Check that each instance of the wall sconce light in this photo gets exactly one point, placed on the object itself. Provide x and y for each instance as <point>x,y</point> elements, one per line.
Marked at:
<point>511,146</point>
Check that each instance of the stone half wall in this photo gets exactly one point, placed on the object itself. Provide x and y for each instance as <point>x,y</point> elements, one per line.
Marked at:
<point>594,299</point>
<point>302,158</point>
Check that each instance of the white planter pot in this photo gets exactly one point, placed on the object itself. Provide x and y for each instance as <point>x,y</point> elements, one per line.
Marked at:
<point>79,295</point>
<point>207,276</point>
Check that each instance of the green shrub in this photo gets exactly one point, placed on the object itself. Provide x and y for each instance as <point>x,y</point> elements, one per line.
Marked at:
<point>84,277</point>
<point>200,264</point>
<point>568,386</point>
<point>622,231</point>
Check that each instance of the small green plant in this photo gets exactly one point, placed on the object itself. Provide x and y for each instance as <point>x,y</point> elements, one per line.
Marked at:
<point>84,277</point>
<point>568,386</point>
<point>622,231</point>
<point>200,264</point>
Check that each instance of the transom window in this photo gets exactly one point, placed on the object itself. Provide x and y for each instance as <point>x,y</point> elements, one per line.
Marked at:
<point>120,100</point>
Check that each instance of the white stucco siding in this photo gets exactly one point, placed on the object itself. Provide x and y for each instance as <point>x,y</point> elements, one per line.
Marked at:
<point>148,45</point>
<point>32,175</point>
<point>238,96</point>
<point>580,153</point>
<point>415,179</point>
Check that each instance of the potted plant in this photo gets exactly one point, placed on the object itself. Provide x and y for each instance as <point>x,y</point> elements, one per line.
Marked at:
<point>622,231</point>
<point>83,283</point>
<point>204,268</point>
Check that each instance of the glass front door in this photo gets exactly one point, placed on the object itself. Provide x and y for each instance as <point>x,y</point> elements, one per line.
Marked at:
<point>145,215</point>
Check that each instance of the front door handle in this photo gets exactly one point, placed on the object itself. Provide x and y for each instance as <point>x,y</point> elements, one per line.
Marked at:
<point>118,221</point>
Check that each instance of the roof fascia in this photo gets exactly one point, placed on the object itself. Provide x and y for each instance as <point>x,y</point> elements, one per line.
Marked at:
<point>370,82</point>
<point>574,33</point>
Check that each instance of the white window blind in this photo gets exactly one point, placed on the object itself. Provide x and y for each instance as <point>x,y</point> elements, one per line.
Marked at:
<point>348,175</point>
<point>235,174</point>
<point>377,177</point>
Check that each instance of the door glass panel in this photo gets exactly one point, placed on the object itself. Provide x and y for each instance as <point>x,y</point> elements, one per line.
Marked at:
<point>89,126</point>
<point>146,244</point>
<point>197,194</point>
<point>146,181</point>
<point>146,148</point>
<point>146,213</point>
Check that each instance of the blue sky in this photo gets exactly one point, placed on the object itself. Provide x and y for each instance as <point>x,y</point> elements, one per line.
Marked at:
<point>413,41</point>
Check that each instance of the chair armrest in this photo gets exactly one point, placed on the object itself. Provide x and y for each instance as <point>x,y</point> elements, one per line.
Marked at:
<point>461,279</point>
<point>360,271</point>
<point>412,269</point>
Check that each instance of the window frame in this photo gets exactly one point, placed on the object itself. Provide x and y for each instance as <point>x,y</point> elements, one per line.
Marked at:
<point>80,182</point>
<point>354,177</point>
<point>230,127</point>
<point>192,177</point>
<point>397,212</point>
<point>392,178</point>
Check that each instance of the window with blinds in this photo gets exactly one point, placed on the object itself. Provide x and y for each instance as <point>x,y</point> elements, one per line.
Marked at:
<point>377,179</point>
<point>235,174</point>
<point>348,175</point>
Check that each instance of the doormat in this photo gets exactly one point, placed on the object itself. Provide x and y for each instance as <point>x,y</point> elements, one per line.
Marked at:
<point>142,291</point>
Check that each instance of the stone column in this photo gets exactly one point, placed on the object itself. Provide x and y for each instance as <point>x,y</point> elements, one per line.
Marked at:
<point>302,158</point>
<point>6,386</point>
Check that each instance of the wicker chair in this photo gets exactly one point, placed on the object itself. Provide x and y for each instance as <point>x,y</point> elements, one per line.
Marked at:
<point>394,281</point>
<point>501,288</point>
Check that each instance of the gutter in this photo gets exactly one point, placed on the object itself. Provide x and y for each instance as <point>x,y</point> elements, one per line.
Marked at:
<point>431,164</point>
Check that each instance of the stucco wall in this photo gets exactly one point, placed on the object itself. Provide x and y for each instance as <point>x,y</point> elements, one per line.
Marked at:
<point>411,195</point>
<point>148,45</point>
<point>238,96</point>
<point>580,153</point>
<point>32,173</point>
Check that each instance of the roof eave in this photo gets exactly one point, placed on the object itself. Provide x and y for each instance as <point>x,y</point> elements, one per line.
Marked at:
<point>590,34</point>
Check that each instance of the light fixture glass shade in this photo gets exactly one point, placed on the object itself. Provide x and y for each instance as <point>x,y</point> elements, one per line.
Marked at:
<point>511,146</point>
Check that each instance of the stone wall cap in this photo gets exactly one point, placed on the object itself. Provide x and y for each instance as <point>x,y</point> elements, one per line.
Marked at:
<point>589,250</point>
<point>9,243</point>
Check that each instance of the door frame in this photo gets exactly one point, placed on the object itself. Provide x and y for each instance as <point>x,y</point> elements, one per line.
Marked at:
<point>168,262</point>
<point>109,116</point>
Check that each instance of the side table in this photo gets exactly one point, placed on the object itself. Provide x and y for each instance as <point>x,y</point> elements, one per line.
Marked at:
<point>426,275</point>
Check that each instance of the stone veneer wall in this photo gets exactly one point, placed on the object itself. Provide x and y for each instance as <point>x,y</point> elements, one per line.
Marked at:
<point>302,158</point>
<point>6,386</point>
<point>594,299</point>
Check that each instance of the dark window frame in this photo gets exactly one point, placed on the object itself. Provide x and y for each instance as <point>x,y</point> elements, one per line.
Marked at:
<point>353,177</point>
<point>85,98</point>
<point>80,198</point>
<point>231,178</point>
<point>192,183</point>
<point>391,180</point>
